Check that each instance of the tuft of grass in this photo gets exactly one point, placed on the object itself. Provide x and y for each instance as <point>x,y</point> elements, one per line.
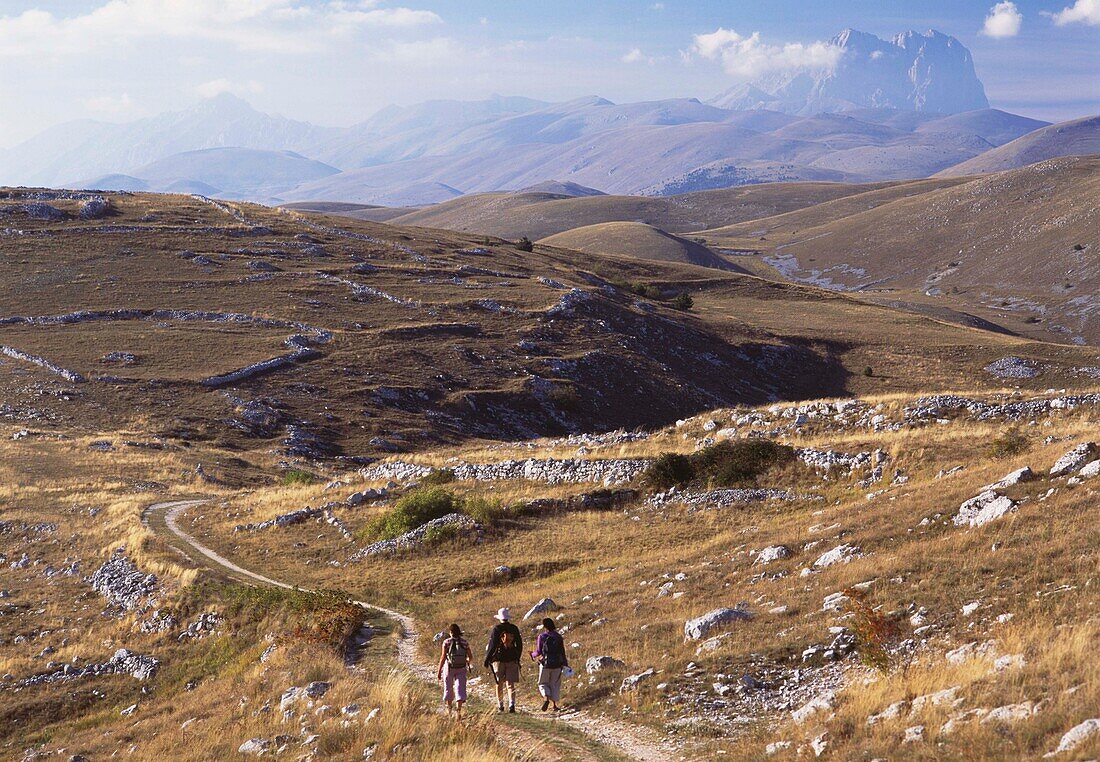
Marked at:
<point>297,476</point>
<point>438,477</point>
<point>1012,442</point>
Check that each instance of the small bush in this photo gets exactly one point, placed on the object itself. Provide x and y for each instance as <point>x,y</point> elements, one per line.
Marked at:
<point>869,371</point>
<point>683,301</point>
<point>524,244</point>
<point>726,464</point>
<point>1032,319</point>
<point>1078,247</point>
<point>323,616</point>
<point>648,290</point>
<point>670,469</point>
<point>564,398</point>
<point>729,464</point>
<point>409,512</point>
<point>442,534</point>
<point>1012,442</point>
<point>873,631</point>
<point>296,476</point>
<point>437,477</point>
<point>483,510</point>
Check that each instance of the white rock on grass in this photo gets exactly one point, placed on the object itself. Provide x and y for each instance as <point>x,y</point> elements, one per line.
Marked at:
<point>632,682</point>
<point>1090,471</point>
<point>255,746</point>
<point>939,698</point>
<point>1074,460</point>
<point>982,509</point>
<point>969,651</point>
<point>891,712</point>
<point>1009,661</point>
<point>914,734</point>
<point>820,744</point>
<point>841,554</point>
<point>821,703</point>
<point>777,746</point>
<point>1019,476</point>
<point>1077,735</point>
<point>772,553</point>
<point>700,627</point>
<point>599,663</point>
<point>1010,713</point>
<point>544,606</point>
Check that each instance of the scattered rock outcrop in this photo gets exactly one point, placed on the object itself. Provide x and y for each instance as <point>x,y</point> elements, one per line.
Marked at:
<point>700,627</point>
<point>121,582</point>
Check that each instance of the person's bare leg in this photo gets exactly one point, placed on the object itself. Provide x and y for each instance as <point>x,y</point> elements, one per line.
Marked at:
<point>459,713</point>
<point>500,694</point>
<point>511,695</point>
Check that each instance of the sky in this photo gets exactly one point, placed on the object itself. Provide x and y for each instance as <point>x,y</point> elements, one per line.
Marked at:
<point>335,62</point>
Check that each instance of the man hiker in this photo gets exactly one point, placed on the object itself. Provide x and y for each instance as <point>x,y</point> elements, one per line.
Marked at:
<point>502,656</point>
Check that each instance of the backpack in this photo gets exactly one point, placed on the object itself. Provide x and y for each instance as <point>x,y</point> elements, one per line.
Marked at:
<point>456,654</point>
<point>507,648</point>
<point>553,651</point>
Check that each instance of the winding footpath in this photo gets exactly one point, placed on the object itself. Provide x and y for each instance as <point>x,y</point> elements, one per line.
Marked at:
<point>632,741</point>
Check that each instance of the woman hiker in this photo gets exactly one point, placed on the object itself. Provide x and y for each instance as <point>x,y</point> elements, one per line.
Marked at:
<point>502,656</point>
<point>454,660</point>
<point>550,654</point>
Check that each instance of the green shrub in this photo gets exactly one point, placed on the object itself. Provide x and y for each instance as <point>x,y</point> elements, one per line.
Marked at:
<point>437,477</point>
<point>442,534</point>
<point>1012,442</point>
<point>670,469</point>
<point>483,510</point>
<point>411,511</point>
<point>726,464</point>
<point>295,476</point>
<point>868,371</point>
<point>729,464</point>
<point>683,301</point>
<point>1078,247</point>
<point>524,244</point>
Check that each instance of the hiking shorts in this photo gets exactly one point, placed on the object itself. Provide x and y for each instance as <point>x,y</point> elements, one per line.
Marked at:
<point>506,671</point>
<point>454,684</point>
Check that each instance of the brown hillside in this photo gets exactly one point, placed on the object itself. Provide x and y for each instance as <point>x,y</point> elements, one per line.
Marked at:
<point>636,239</point>
<point>1017,249</point>
<point>1079,137</point>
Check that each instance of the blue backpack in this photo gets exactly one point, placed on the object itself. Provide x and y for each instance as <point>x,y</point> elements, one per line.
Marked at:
<point>553,651</point>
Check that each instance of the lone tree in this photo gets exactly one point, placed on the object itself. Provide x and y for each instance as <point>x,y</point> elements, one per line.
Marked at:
<point>524,244</point>
<point>683,301</point>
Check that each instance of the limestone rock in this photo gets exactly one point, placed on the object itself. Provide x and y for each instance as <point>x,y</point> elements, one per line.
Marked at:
<point>700,627</point>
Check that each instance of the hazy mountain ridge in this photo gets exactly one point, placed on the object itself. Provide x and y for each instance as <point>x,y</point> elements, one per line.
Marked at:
<point>914,71</point>
<point>889,110</point>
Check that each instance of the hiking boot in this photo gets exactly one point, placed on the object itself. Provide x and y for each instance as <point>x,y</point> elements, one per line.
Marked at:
<point>512,709</point>
<point>500,707</point>
<point>545,705</point>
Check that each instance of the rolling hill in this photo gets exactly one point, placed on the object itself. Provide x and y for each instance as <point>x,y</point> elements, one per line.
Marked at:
<point>1079,137</point>
<point>538,215</point>
<point>636,239</point>
<point>1016,248</point>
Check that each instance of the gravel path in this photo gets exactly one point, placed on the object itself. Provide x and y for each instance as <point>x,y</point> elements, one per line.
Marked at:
<point>632,741</point>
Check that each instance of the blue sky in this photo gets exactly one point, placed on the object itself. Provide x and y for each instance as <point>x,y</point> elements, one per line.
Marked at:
<point>338,61</point>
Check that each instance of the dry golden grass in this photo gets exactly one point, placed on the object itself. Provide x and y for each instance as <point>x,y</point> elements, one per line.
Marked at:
<point>619,558</point>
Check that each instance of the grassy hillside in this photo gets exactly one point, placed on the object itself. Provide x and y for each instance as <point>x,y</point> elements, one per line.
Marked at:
<point>1016,249</point>
<point>636,239</point>
<point>1079,137</point>
<point>511,215</point>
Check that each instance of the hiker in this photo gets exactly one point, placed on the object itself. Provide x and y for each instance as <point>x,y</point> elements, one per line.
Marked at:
<point>454,660</point>
<point>550,654</point>
<point>502,657</point>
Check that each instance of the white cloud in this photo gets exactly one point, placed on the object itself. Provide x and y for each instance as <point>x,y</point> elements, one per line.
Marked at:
<point>1082,11</point>
<point>1004,20</point>
<point>253,25</point>
<point>216,87</point>
<point>750,57</point>
<point>634,55</point>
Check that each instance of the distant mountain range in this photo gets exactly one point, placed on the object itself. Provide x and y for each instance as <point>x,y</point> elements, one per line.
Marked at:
<point>905,108</point>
